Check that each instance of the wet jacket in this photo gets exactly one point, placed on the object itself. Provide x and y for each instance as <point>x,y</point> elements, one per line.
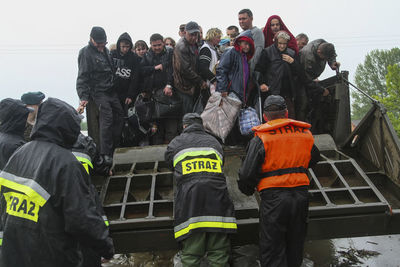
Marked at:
<point>185,62</point>
<point>95,72</point>
<point>157,79</point>
<point>202,202</point>
<point>279,155</point>
<point>47,209</point>
<point>313,65</point>
<point>13,115</point>
<point>127,70</point>
<point>231,74</point>
<point>276,73</point>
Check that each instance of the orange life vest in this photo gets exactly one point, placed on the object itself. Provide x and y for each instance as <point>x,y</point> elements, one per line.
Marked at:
<point>287,145</point>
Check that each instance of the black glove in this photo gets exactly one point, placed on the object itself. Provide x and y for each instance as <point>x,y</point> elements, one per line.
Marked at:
<point>245,188</point>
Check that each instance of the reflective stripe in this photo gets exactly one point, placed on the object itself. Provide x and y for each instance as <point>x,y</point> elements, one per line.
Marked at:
<point>1,238</point>
<point>205,222</point>
<point>84,158</point>
<point>27,186</point>
<point>106,220</point>
<point>196,151</point>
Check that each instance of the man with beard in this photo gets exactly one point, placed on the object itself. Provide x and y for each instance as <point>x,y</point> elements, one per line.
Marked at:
<point>127,66</point>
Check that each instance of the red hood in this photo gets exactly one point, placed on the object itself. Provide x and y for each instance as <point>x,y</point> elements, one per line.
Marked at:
<point>269,35</point>
<point>247,39</point>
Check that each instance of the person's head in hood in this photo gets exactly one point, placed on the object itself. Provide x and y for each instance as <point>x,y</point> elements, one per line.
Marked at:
<point>190,119</point>
<point>124,44</point>
<point>244,43</point>
<point>13,116</point>
<point>57,122</point>
<point>272,27</point>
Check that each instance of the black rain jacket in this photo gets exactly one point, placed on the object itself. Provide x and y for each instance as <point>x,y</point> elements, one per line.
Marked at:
<point>13,115</point>
<point>47,209</point>
<point>95,72</point>
<point>127,70</point>
<point>202,202</point>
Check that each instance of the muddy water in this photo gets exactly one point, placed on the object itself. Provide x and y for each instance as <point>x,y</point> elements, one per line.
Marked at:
<point>372,251</point>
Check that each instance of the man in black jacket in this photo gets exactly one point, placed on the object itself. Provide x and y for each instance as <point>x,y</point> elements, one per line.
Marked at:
<point>204,212</point>
<point>157,74</point>
<point>47,209</point>
<point>13,117</point>
<point>127,72</point>
<point>95,82</point>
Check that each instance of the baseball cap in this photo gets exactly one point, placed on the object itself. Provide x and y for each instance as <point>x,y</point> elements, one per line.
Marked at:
<point>274,100</point>
<point>98,34</point>
<point>192,27</point>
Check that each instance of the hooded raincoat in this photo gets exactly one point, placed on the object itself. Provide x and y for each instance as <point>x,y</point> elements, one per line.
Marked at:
<point>47,209</point>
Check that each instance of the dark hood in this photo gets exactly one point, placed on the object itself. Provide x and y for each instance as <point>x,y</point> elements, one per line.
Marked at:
<point>57,122</point>
<point>13,115</point>
<point>124,37</point>
<point>248,37</point>
<point>195,127</point>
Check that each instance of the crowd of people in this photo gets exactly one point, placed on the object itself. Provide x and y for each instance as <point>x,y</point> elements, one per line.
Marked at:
<point>167,79</point>
<point>158,92</point>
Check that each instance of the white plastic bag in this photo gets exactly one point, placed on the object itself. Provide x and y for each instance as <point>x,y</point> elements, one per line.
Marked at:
<point>220,114</point>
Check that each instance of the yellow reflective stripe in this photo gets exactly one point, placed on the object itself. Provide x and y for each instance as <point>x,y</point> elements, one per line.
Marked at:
<point>201,165</point>
<point>32,194</point>
<point>84,161</point>
<point>20,205</point>
<point>105,220</point>
<point>107,223</point>
<point>1,241</point>
<point>86,167</point>
<point>196,154</point>
<point>196,225</point>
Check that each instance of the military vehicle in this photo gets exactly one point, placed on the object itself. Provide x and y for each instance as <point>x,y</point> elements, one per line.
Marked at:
<point>354,190</point>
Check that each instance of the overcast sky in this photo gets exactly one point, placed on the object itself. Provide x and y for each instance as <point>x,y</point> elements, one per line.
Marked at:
<point>40,40</point>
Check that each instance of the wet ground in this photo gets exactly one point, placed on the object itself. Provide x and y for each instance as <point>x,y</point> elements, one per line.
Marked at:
<point>372,251</point>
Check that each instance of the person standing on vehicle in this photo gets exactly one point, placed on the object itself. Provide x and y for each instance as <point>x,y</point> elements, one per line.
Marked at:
<point>246,23</point>
<point>187,79</point>
<point>95,83</point>
<point>157,74</point>
<point>208,57</point>
<point>13,119</point>
<point>47,208</point>
<point>276,164</point>
<point>127,71</point>
<point>233,71</point>
<point>31,100</point>
<point>204,213</point>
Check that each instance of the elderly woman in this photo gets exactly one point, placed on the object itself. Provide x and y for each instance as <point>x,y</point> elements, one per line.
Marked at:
<point>278,66</point>
<point>208,57</point>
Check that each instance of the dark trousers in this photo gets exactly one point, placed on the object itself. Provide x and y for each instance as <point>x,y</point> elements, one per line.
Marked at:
<point>111,117</point>
<point>187,102</point>
<point>216,245</point>
<point>283,226</point>
<point>301,103</point>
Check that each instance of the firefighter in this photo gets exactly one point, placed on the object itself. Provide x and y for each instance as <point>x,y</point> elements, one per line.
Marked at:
<point>204,212</point>
<point>13,117</point>
<point>276,163</point>
<point>47,210</point>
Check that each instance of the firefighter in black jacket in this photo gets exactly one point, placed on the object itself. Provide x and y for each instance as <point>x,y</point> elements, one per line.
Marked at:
<point>47,209</point>
<point>204,212</point>
<point>13,116</point>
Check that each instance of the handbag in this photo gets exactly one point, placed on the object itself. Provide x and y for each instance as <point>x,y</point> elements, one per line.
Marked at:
<point>166,106</point>
<point>248,118</point>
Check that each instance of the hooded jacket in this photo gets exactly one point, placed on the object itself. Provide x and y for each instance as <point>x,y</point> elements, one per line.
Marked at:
<point>276,73</point>
<point>185,63</point>
<point>13,115</point>
<point>95,72</point>
<point>202,202</point>
<point>269,35</point>
<point>157,79</point>
<point>233,71</point>
<point>127,70</point>
<point>46,206</point>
